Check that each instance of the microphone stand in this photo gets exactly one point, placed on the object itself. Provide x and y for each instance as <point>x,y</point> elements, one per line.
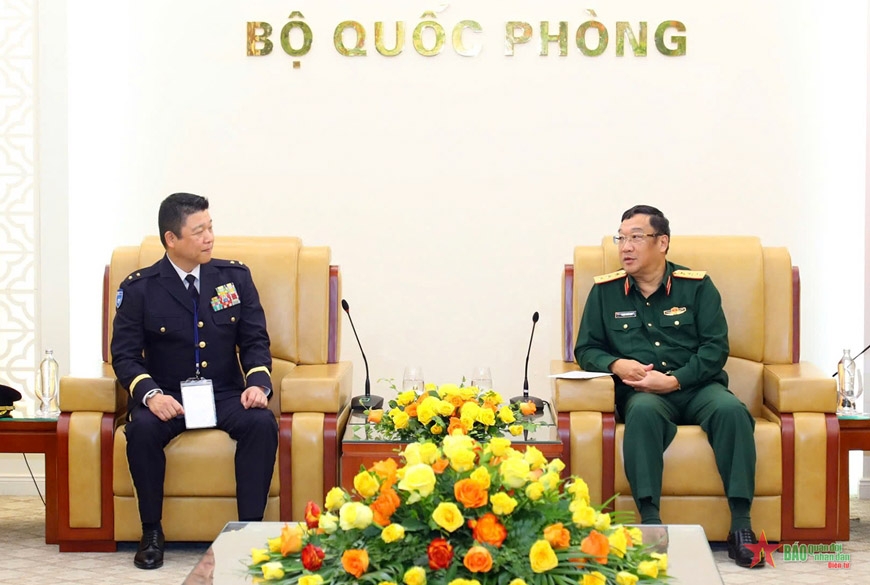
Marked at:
<point>367,401</point>
<point>539,403</point>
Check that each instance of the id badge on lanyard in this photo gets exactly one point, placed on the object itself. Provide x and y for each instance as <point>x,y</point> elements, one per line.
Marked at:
<point>197,397</point>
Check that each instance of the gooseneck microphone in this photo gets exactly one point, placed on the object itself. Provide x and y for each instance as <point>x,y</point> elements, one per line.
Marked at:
<point>366,401</point>
<point>539,404</point>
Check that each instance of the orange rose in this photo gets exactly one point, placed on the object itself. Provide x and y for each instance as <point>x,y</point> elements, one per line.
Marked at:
<point>375,415</point>
<point>528,408</point>
<point>386,470</point>
<point>493,406</point>
<point>291,539</point>
<point>384,506</point>
<point>488,529</point>
<point>456,426</point>
<point>456,400</point>
<point>440,554</point>
<point>355,562</point>
<point>596,545</point>
<point>312,514</point>
<point>557,535</point>
<point>439,466</point>
<point>477,560</point>
<point>411,409</point>
<point>470,493</point>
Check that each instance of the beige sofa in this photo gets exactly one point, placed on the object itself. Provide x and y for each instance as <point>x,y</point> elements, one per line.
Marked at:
<point>793,402</point>
<point>299,291</point>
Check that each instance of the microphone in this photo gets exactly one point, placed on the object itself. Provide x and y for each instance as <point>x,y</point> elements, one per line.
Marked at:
<point>366,401</point>
<point>539,404</point>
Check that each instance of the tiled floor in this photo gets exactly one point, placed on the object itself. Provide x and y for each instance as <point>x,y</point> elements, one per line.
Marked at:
<point>27,560</point>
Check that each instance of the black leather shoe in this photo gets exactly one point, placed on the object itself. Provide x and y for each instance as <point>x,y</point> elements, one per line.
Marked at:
<point>150,553</point>
<point>738,550</point>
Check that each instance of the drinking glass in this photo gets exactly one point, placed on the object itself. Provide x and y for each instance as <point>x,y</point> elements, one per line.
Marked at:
<point>482,378</point>
<point>412,379</point>
<point>850,397</point>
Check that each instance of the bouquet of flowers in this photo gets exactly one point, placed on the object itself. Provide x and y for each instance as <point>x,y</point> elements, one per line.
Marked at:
<point>443,410</point>
<point>459,514</point>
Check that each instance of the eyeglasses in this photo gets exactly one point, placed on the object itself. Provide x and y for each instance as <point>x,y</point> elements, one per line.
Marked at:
<point>635,239</point>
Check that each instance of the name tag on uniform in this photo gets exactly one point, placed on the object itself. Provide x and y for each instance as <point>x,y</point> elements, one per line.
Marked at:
<point>625,314</point>
<point>197,397</point>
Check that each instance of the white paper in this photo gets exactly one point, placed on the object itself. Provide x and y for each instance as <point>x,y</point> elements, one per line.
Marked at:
<point>197,398</point>
<point>580,375</point>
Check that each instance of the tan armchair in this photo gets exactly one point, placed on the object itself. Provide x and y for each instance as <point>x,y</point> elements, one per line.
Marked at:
<point>299,291</point>
<point>793,402</point>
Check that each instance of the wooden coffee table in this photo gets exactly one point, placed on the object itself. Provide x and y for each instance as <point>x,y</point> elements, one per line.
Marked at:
<point>854,436</point>
<point>36,435</point>
<point>363,445</point>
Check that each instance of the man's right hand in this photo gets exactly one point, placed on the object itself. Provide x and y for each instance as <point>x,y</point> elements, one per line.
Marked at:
<point>164,406</point>
<point>630,370</point>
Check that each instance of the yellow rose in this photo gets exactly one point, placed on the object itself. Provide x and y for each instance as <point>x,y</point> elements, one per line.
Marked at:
<point>427,409</point>
<point>535,491</point>
<point>448,390</point>
<point>392,533</point>
<point>273,571</point>
<point>550,481</point>
<point>514,472</point>
<point>310,580</point>
<point>535,458</point>
<point>335,499</point>
<point>454,443</point>
<point>585,516</point>
<point>448,516</point>
<point>436,429</point>
<point>481,476</point>
<point>462,460</point>
<point>618,543</point>
<point>542,557</point>
<point>661,558</point>
<point>556,466</point>
<point>366,484</point>
<point>387,583</point>
<point>593,578</point>
<point>414,576</point>
<point>400,418</point>
<point>499,446</point>
<point>418,479</point>
<point>445,408</point>
<point>626,578</point>
<point>464,582</point>
<point>579,489</point>
<point>517,581</point>
<point>515,430</point>
<point>355,515</point>
<point>258,555</point>
<point>648,568</point>
<point>492,396</point>
<point>602,523</point>
<point>406,398</point>
<point>502,504</point>
<point>485,417</point>
<point>506,415</point>
<point>429,452</point>
<point>412,454</point>
<point>327,522</point>
<point>637,539</point>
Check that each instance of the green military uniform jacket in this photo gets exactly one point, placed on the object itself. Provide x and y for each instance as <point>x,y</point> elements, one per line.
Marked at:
<point>680,328</point>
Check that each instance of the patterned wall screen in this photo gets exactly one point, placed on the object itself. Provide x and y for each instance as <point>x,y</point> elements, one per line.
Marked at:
<point>18,198</point>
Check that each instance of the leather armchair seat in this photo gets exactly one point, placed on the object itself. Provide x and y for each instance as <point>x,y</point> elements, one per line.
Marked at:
<point>793,402</point>
<point>299,291</point>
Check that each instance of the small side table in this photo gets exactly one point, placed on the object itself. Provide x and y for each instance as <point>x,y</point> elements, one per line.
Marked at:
<point>854,436</point>
<point>36,435</point>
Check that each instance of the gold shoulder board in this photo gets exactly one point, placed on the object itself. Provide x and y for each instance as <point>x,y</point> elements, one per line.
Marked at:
<point>602,278</point>
<point>692,274</point>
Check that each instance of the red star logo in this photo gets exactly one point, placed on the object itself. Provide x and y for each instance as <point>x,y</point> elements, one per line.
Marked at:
<point>763,550</point>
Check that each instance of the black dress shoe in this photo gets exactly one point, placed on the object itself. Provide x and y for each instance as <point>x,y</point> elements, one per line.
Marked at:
<point>150,553</point>
<point>738,550</point>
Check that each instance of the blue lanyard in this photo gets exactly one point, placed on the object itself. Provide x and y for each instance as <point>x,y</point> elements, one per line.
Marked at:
<point>196,336</point>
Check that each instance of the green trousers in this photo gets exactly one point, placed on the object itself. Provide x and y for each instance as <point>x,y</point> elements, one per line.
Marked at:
<point>651,423</point>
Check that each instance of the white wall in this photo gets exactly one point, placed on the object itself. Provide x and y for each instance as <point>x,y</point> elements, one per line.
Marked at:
<point>451,189</point>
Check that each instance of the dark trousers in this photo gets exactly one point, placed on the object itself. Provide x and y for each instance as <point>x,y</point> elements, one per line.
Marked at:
<point>651,423</point>
<point>255,431</point>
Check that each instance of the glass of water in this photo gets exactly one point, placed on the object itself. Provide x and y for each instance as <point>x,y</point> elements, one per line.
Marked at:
<point>482,378</point>
<point>412,379</point>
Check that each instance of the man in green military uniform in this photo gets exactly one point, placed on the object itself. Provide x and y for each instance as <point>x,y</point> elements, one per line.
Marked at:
<point>660,329</point>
